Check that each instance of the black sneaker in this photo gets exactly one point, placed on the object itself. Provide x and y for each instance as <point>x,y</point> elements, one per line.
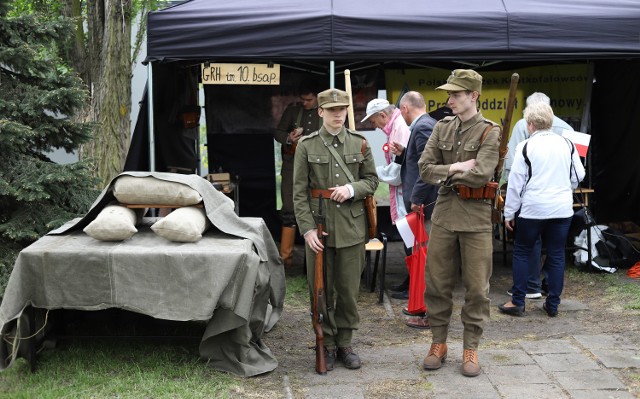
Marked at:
<point>349,358</point>
<point>400,295</point>
<point>529,295</point>
<point>403,286</point>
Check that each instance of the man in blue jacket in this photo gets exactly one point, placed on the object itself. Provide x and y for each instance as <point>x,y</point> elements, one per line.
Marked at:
<point>415,192</point>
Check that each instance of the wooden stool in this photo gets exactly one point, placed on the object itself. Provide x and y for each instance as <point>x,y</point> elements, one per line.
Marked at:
<point>377,246</point>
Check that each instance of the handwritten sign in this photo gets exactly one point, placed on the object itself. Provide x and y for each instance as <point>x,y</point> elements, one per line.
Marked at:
<point>241,74</point>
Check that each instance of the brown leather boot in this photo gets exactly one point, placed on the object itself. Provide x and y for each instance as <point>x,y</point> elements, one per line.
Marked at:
<point>437,355</point>
<point>286,245</point>
<point>470,366</point>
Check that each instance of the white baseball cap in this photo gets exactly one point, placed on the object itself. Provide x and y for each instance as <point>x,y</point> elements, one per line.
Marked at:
<point>376,105</point>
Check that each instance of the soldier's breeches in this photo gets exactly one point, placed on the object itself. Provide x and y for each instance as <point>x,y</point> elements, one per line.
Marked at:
<point>344,268</point>
<point>451,254</point>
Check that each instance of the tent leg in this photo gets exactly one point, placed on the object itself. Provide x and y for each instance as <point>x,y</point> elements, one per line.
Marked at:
<point>152,154</point>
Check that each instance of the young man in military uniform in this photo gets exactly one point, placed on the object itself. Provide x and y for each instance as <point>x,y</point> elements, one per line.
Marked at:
<point>461,155</point>
<point>317,172</point>
<point>298,120</point>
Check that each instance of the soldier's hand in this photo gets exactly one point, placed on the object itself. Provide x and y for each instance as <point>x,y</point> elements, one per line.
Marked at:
<point>461,167</point>
<point>313,241</point>
<point>295,135</point>
<point>340,194</point>
<point>415,207</point>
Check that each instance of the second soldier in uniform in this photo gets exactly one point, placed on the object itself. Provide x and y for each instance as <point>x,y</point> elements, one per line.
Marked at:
<point>460,157</point>
<point>317,172</point>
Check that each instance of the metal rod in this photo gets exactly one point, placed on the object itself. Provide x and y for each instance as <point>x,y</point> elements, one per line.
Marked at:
<point>332,72</point>
<point>152,143</point>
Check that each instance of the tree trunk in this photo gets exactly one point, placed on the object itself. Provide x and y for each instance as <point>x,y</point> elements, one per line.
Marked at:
<point>76,50</point>
<point>110,74</point>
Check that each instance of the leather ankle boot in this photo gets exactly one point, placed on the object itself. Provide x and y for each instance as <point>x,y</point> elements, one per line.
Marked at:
<point>437,355</point>
<point>470,366</point>
<point>287,241</point>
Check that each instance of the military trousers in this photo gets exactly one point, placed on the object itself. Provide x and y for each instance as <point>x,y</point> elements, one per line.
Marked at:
<point>286,192</point>
<point>454,254</point>
<point>344,267</point>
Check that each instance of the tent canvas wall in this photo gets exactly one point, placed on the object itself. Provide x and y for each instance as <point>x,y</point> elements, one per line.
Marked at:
<point>483,35</point>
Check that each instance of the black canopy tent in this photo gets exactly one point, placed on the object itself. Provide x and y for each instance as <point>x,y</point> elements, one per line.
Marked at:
<point>507,34</point>
<point>376,30</point>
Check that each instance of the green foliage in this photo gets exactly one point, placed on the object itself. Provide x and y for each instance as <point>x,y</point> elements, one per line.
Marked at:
<point>39,97</point>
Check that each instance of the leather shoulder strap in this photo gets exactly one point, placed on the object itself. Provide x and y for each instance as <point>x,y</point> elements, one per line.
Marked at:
<point>486,132</point>
<point>340,161</point>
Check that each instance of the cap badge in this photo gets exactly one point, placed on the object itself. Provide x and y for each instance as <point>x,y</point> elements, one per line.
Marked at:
<point>335,96</point>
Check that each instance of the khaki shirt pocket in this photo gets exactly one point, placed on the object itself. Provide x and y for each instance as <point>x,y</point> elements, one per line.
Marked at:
<point>445,145</point>
<point>319,165</point>
<point>357,208</point>
<point>353,158</point>
<point>471,149</point>
<point>353,162</point>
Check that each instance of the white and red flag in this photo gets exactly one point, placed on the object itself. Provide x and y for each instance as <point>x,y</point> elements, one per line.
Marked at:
<point>408,228</point>
<point>580,140</point>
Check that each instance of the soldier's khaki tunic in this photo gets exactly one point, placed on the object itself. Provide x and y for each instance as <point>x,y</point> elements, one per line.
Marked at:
<point>316,168</point>
<point>461,234</point>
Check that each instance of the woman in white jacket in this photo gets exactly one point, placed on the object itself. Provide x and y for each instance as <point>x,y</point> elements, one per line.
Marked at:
<point>546,168</point>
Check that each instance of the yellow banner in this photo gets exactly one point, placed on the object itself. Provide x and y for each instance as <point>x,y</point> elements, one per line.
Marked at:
<point>566,85</point>
<point>240,74</point>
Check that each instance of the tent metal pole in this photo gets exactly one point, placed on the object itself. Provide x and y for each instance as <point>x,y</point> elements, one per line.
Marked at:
<point>332,72</point>
<point>152,154</point>
<point>584,122</point>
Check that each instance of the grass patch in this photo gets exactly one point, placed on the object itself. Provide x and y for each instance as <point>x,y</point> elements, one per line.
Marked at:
<point>629,294</point>
<point>297,291</point>
<point>117,369</point>
<point>122,368</point>
<point>616,287</point>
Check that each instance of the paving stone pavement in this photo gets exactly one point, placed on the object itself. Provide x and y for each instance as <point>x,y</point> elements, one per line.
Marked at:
<point>575,367</point>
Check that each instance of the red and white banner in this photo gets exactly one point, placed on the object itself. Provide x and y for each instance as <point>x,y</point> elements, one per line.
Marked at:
<point>408,228</point>
<point>581,140</point>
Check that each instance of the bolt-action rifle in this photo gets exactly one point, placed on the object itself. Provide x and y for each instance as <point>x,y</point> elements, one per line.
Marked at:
<point>506,124</point>
<point>502,152</point>
<point>319,296</point>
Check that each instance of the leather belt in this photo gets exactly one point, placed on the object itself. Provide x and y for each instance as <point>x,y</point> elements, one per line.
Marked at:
<point>316,192</point>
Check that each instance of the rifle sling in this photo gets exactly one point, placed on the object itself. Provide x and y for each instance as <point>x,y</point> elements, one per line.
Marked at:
<point>340,161</point>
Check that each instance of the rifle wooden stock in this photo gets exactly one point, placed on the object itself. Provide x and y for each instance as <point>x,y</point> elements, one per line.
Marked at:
<point>347,86</point>
<point>506,124</point>
<point>319,298</point>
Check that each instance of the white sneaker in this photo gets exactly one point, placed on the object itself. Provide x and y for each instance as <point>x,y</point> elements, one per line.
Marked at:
<point>532,295</point>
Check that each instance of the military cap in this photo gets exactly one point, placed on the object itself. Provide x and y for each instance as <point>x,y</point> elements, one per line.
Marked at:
<point>463,79</point>
<point>333,98</point>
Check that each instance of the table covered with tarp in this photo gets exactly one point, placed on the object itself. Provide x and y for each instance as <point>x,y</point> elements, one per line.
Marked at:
<point>232,279</point>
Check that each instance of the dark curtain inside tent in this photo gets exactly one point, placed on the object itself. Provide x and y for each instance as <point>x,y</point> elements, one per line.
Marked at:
<point>615,140</point>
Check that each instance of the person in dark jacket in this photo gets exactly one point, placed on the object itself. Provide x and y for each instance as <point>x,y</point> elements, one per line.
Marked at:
<point>415,192</point>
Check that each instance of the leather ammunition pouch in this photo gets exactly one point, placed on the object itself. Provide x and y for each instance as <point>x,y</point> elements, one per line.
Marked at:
<point>488,191</point>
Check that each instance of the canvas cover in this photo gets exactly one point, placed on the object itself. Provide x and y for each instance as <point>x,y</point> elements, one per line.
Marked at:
<point>232,279</point>
<point>403,30</point>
